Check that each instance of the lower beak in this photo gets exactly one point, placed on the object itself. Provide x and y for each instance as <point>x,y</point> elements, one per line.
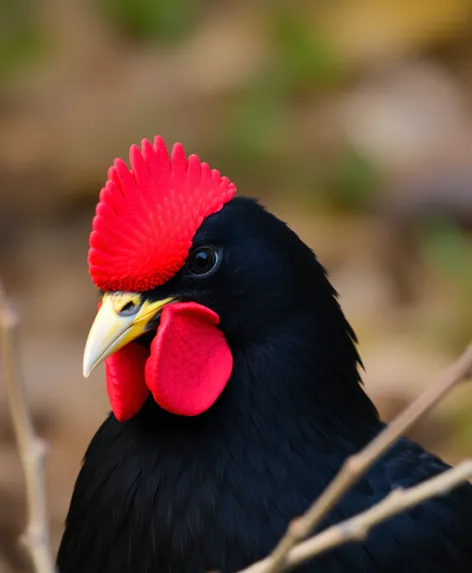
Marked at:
<point>121,318</point>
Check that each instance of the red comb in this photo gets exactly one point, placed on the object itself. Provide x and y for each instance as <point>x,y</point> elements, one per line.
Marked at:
<point>147,217</point>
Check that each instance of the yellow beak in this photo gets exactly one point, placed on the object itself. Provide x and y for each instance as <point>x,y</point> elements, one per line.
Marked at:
<point>121,318</point>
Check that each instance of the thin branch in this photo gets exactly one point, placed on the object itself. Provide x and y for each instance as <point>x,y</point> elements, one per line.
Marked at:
<point>358,527</point>
<point>31,448</point>
<point>359,464</point>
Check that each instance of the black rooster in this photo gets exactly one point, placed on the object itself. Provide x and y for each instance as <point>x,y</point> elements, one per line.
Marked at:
<point>233,378</point>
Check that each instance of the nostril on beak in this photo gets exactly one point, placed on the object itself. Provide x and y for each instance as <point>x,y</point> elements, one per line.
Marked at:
<point>129,309</point>
<point>126,304</point>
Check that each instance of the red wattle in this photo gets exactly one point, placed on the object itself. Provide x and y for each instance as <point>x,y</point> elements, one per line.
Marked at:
<point>190,360</point>
<point>126,387</point>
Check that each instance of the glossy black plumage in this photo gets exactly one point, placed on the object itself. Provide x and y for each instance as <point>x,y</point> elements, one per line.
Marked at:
<point>166,494</point>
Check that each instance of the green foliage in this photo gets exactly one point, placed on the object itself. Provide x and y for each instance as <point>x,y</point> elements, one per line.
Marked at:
<point>20,39</point>
<point>446,248</point>
<point>304,57</point>
<point>259,138</point>
<point>257,126</point>
<point>161,20</point>
<point>351,180</point>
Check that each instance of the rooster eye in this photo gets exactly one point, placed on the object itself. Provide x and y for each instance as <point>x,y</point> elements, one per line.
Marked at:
<point>202,261</point>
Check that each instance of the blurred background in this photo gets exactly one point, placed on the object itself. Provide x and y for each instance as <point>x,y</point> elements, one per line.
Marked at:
<point>350,119</point>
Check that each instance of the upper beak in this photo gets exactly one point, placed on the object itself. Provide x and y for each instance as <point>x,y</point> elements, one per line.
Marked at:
<point>121,318</point>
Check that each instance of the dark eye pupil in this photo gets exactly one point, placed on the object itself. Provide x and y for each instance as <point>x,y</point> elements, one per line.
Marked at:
<point>202,261</point>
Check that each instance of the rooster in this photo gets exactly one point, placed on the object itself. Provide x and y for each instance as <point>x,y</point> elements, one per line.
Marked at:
<point>233,378</point>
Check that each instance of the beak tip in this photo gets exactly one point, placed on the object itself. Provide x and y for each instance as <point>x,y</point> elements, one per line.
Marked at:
<point>87,368</point>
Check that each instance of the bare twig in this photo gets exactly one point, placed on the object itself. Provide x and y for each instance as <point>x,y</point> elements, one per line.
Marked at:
<point>32,449</point>
<point>358,527</point>
<point>358,465</point>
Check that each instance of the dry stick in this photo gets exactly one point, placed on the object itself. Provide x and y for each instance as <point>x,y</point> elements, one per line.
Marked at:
<point>358,527</point>
<point>359,464</point>
<point>31,448</point>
